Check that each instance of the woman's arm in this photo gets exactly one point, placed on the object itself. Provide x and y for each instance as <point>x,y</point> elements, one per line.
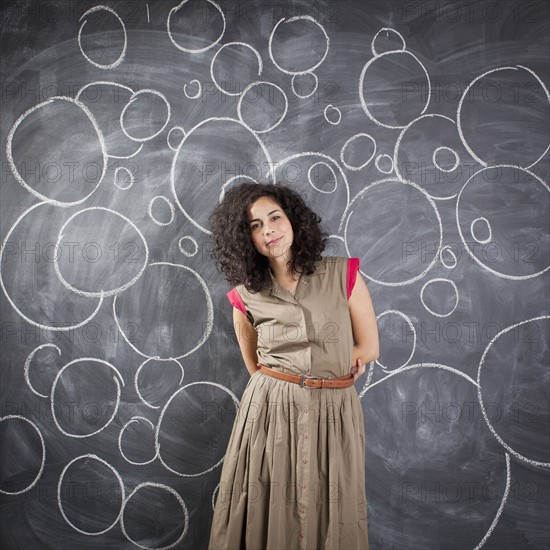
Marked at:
<point>363,322</point>
<point>248,340</point>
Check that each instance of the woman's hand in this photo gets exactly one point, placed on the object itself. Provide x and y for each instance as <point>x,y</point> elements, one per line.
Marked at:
<point>360,368</point>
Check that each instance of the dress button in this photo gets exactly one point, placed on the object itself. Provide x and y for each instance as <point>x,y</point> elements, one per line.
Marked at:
<point>301,535</point>
<point>304,485</point>
<point>306,410</point>
<point>304,460</point>
<point>305,436</point>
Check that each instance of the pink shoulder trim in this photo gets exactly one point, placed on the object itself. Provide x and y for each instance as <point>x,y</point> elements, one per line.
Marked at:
<point>236,300</point>
<point>353,267</point>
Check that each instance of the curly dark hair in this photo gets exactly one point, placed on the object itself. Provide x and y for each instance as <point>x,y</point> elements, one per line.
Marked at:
<point>234,250</point>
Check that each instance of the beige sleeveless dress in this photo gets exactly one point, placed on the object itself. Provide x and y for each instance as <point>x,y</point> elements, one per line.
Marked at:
<point>293,476</point>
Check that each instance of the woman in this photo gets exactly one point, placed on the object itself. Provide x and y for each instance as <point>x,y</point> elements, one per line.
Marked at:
<point>293,474</point>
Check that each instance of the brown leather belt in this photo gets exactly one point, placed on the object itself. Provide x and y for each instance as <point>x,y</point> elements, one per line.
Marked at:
<point>308,381</point>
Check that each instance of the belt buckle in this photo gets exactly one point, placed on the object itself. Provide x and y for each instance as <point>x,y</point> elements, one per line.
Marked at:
<point>304,376</point>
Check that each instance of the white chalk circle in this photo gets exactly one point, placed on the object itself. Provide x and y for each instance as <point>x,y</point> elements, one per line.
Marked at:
<point>303,31</point>
<point>354,148</point>
<point>262,106</point>
<point>429,285</point>
<point>21,285</point>
<point>192,22</point>
<point>384,163</point>
<point>91,410</point>
<point>447,250</point>
<point>389,32</point>
<point>240,72</point>
<point>108,258</point>
<point>170,138</point>
<point>517,390</point>
<point>500,196</point>
<point>228,148</point>
<point>308,82</point>
<point>118,61</point>
<point>419,156</point>
<point>26,369</point>
<point>158,332</point>
<point>155,378</point>
<point>148,522</point>
<point>136,422</point>
<point>383,97</point>
<point>63,129</point>
<point>396,334</point>
<point>333,115</point>
<point>93,520</point>
<point>503,117</point>
<point>444,167</point>
<point>392,218</point>
<point>180,442</point>
<point>197,84</point>
<point>21,438</point>
<point>479,221</point>
<point>156,112</point>
<point>315,175</point>
<point>193,246</point>
<point>171,210</point>
<point>123,173</point>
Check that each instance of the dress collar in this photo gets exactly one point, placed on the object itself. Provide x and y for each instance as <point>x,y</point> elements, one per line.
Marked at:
<point>278,290</point>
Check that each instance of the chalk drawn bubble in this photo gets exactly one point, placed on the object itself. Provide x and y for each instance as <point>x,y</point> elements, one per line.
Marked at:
<point>22,466</point>
<point>53,306</point>
<point>135,436</point>
<point>444,301</point>
<point>320,179</point>
<point>81,502</point>
<point>387,40</point>
<point>298,45</point>
<point>175,137</point>
<point>98,40</point>
<point>195,26</point>
<point>394,89</point>
<point>358,151</point>
<point>304,85</point>
<point>109,252</point>
<point>384,163</point>
<point>503,117</point>
<point>193,428</point>
<point>152,326</point>
<point>161,205</point>
<point>429,152</point>
<point>106,100</point>
<point>332,115</point>
<point>155,381</point>
<point>510,206</point>
<point>145,115</point>
<point>61,141</point>
<point>234,67</point>
<point>188,246</point>
<point>392,219</point>
<point>398,341</point>
<point>262,106</point>
<point>123,178</point>
<point>93,388</point>
<point>193,89</point>
<point>210,155</point>
<point>514,389</point>
<point>144,512</point>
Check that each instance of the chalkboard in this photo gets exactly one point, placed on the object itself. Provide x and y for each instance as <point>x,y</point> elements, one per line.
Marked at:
<point>418,130</point>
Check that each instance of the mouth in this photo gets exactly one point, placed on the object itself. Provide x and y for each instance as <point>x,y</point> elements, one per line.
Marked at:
<point>274,241</point>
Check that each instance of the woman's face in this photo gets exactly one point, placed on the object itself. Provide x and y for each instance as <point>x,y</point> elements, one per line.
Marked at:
<point>268,222</point>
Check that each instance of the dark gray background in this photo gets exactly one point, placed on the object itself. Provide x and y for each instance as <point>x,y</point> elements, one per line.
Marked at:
<point>436,474</point>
